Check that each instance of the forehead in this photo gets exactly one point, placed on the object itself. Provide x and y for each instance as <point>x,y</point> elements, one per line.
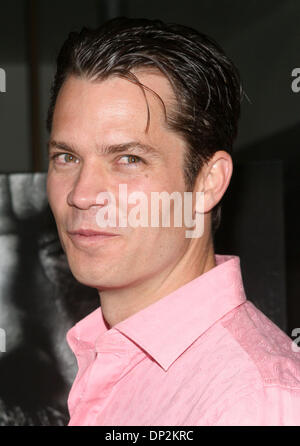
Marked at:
<point>115,104</point>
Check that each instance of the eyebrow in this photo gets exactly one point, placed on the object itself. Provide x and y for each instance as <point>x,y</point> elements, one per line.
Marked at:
<point>109,149</point>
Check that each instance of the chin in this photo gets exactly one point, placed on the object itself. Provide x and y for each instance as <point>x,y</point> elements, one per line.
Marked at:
<point>86,277</point>
<point>99,278</point>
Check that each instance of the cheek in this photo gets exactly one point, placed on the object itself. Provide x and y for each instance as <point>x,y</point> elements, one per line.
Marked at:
<point>148,186</point>
<point>163,181</point>
<point>157,248</point>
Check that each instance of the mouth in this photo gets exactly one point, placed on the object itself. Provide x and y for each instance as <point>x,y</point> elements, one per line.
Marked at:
<point>90,236</point>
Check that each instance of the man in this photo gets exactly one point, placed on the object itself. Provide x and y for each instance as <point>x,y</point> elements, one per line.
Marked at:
<point>154,107</point>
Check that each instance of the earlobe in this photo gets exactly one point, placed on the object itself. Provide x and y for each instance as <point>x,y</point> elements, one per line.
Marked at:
<point>199,206</point>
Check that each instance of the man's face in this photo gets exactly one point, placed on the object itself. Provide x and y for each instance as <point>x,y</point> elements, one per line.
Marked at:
<point>89,117</point>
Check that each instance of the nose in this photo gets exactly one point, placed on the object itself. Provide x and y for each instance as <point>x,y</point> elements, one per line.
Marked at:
<point>91,180</point>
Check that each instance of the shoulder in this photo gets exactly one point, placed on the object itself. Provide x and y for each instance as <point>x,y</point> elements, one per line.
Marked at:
<point>269,349</point>
<point>274,397</point>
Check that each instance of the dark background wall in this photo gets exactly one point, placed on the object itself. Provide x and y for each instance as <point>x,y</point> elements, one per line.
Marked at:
<point>263,39</point>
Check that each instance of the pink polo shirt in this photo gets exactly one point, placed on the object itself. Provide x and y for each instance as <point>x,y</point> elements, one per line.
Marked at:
<point>202,355</point>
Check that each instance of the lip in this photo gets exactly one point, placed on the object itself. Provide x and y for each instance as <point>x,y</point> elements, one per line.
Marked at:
<point>91,233</point>
<point>83,237</point>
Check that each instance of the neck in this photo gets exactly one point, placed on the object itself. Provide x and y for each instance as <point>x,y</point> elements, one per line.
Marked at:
<point>119,304</point>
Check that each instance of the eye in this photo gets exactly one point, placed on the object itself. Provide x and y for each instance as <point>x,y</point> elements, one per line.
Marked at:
<point>65,158</point>
<point>131,159</point>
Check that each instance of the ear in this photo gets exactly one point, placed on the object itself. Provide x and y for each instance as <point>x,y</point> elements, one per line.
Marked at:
<point>213,180</point>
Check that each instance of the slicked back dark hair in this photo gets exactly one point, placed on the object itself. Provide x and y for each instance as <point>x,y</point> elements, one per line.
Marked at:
<point>205,81</point>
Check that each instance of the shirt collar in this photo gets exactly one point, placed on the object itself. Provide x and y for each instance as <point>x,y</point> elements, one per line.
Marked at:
<point>166,328</point>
